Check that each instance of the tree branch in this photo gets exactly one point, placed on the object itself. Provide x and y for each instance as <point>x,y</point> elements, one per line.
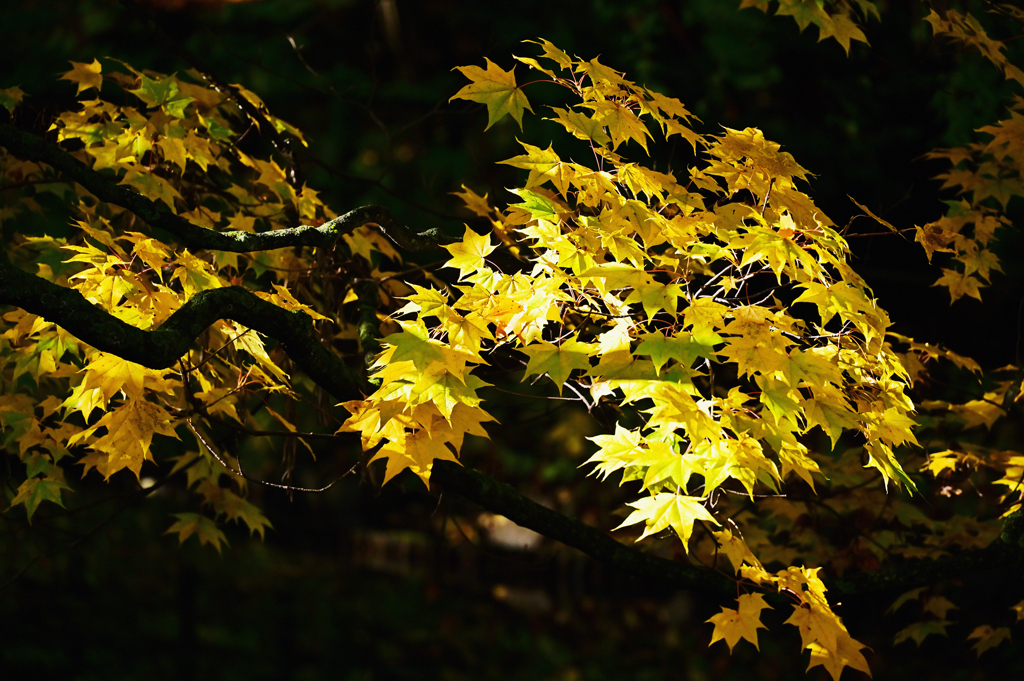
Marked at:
<point>500,498</point>
<point>32,148</point>
<point>160,348</point>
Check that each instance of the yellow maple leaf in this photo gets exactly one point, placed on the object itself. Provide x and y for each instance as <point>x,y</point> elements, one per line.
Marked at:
<point>557,361</point>
<point>661,511</point>
<point>497,89</point>
<point>416,451</point>
<point>732,625</point>
<point>85,75</point>
<point>474,202</point>
<point>111,374</point>
<point>468,255</point>
<point>151,186</point>
<point>544,165</point>
<point>845,654</point>
<point>842,28</point>
<point>130,429</point>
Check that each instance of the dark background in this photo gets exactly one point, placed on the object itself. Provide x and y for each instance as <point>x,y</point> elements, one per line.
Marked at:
<point>360,583</point>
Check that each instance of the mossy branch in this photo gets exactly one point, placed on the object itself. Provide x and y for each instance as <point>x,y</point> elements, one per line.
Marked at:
<point>160,348</point>
<point>105,187</point>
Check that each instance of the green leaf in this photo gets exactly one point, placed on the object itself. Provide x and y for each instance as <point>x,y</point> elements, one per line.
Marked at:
<point>34,491</point>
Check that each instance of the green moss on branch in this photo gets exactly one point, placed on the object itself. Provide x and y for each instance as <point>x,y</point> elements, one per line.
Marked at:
<point>162,347</point>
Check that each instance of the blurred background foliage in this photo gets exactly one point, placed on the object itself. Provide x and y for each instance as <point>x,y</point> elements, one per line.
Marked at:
<point>364,583</point>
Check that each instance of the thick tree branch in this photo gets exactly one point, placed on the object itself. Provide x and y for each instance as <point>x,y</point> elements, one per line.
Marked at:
<point>162,347</point>
<point>32,148</point>
<point>500,498</point>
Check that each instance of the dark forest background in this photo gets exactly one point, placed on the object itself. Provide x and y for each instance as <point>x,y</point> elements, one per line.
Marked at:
<point>362,583</point>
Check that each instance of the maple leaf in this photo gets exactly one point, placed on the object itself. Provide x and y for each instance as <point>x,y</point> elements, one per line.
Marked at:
<point>85,75</point>
<point>557,361</point>
<point>413,343</point>
<point>474,202</point>
<point>35,490</point>
<point>705,316</point>
<point>151,186</point>
<point>958,284</point>
<point>732,625</point>
<point>906,597</point>
<point>988,638</point>
<point>199,525</point>
<point>11,97</point>
<point>495,88</point>
<point>664,510</point>
<point>682,347</point>
<point>581,126</point>
<point>544,165</point>
<point>469,254</point>
<point>846,653</point>
<point>164,93</point>
<point>553,53</point>
<point>656,297</point>
<point>130,429</point>
<point>919,631</point>
<point>842,28</point>
<point>110,374</point>
<point>415,451</point>
<point>616,451</point>
<point>241,510</point>
<point>621,122</point>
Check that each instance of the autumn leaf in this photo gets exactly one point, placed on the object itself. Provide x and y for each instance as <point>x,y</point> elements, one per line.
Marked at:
<point>988,638</point>
<point>474,202</point>
<point>164,93</point>
<point>667,510</point>
<point>682,347</point>
<point>495,88</point>
<point>842,28</point>
<point>199,525</point>
<point>238,509</point>
<point>732,625</point>
<point>615,451</point>
<point>557,361</point>
<point>129,434</point>
<point>416,452</point>
<point>11,97</point>
<point>86,76</point>
<point>110,374</point>
<point>151,186</point>
<point>34,491</point>
<point>845,654</point>
<point>544,165</point>
<point>468,255</point>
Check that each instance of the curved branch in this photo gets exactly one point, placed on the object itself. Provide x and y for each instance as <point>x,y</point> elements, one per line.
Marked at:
<point>500,498</point>
<point>32,148</point>
<point>160,348</point>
